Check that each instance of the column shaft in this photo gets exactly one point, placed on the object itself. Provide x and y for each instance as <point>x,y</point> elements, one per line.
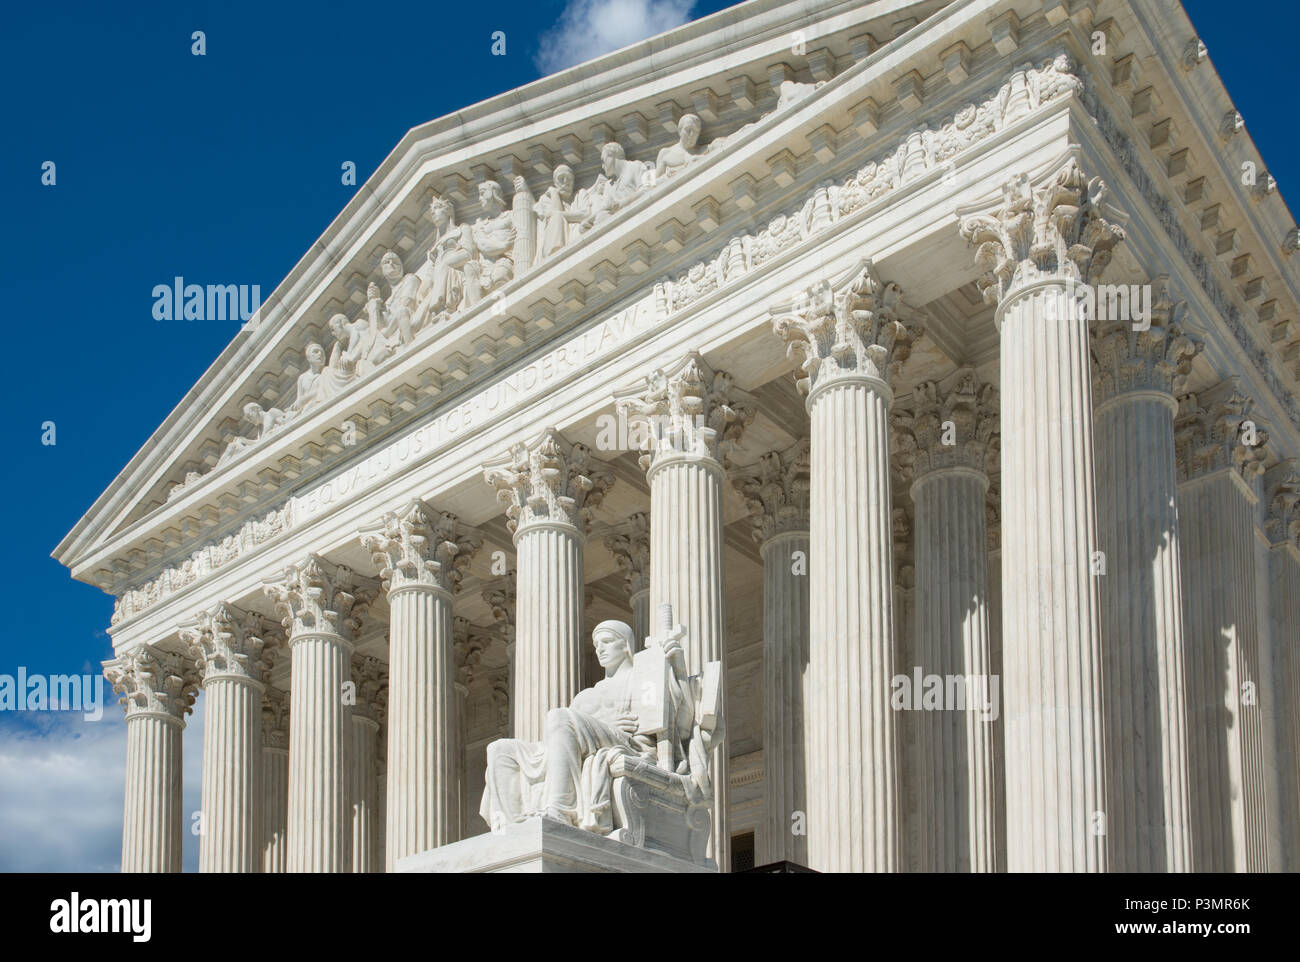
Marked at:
<point>423,796</point>
<point>365,740</point>
<point>1051,625</point>
<point>686,572</point>
<point>853,817</point>
<point>1216,512</point>
<point>275,815</point>
<point>1142,634</point>
<point>320,817</point>
<point>785,653</point>
<point>232,775</point>
<point>548,630</point>
<point>151,830</point>
<point>952,636</point>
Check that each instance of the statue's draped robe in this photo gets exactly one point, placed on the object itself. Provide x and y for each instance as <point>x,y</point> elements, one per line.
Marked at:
<point>570,770</point>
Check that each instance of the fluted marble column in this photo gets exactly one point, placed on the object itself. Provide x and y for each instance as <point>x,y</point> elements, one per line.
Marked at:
<point>948,434</point>
<point>321,606</point>
<point>1217,467</point>
<point>630,546</point>
<point>234,650</point>
<point>421,555</point>
<point>1035,248</point>
<point>993,527</point>
<point>686,417</point>
<point>550,488</point>
<point>1137,375</point>
<point>851,339</point>
<point>275,780</point>
<point>1282,529</point>
<point>370,681</point>
<point>470,642</point>
<point>157,689</point>
<point>775,489</point>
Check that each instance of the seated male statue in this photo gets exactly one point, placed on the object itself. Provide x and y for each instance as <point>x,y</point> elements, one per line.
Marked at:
<point>646,707</point>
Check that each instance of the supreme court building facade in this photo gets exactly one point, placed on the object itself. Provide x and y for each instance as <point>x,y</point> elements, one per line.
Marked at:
<point>882,340</point>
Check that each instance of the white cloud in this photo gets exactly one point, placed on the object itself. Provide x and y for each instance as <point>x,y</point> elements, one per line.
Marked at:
<point>589,28</point>
<point>62,785</point>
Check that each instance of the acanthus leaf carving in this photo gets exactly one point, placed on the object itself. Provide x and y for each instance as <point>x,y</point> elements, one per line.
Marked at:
<point>549,481</point>
<point>861,331</point>
<point>777,489</point>
<point>1055,230</point>
<point>1215,429</point>
<point>152,680</point>
<point>419,546</point>
<point>1157,358</point>
<point>318,598</point>
<point>227,642</point>
<point>687,409</point>
<point>951,423</point>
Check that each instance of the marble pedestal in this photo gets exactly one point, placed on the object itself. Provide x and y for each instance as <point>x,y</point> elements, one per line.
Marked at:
<point>543,844</point>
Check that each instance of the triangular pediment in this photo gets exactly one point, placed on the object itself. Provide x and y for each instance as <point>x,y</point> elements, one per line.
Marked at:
<point>777,124</point>
<point>779,54</point>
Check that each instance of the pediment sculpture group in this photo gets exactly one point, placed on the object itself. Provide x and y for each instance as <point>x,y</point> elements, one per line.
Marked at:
<point>466,263</point>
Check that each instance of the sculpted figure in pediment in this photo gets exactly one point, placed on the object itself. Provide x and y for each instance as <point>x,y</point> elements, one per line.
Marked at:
<point>394,318</point>
<point>559,213</point>
<point>309,386</point>
<point>490,263</point>
<point>265,422</point>
<point>619,182</point>
<point>442,277</point>
<point>673,160</point>
<point>350,355</point>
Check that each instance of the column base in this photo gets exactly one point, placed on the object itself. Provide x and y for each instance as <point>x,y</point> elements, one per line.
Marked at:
<point>541,844</point>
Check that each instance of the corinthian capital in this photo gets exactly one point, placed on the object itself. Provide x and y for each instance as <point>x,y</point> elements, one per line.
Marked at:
<point>275,718</point>
<point>318,598</point>
<point>469,641</point>
<point>370,681</point>
<point>686,409</point>
<point>1281,500</point>
<point>952,423</point>
<point>229,643</point>
<point>857,330</point>
<point>776,490</point>
<point>152,681</point>
<point>1214,429</point>
<point>1158,358</point>
<point>549,481</point>
<point>1055,230</point>
<point>418,546</point>
<point>630,546</point>
<point>501,599</point>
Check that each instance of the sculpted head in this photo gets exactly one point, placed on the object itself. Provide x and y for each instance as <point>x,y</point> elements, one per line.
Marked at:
<point>441,211</point>
<point>253,412</point>
<point>390,265</point>
<point>315,356</point>
<point>610,157</point>
<point>614,643</point>
<point>688,131</point>
<point>338,326</point>
<point>563,179</point>
<point>490,197</point>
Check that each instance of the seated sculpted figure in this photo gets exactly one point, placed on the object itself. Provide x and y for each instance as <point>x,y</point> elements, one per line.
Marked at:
<point>309,387</point>
<point>492,238</point>
<point>442,276</point>
<point>265,422</point>
<point>679,156</point>
<point>619,182</point>
<point>645,713</point>
<point>395,318</point>
<point>558,214</point>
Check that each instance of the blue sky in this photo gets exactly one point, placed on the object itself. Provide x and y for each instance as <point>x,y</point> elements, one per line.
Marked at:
<point>224,169</point>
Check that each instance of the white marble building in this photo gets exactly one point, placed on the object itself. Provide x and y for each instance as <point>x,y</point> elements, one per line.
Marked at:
<point>780,318</point>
